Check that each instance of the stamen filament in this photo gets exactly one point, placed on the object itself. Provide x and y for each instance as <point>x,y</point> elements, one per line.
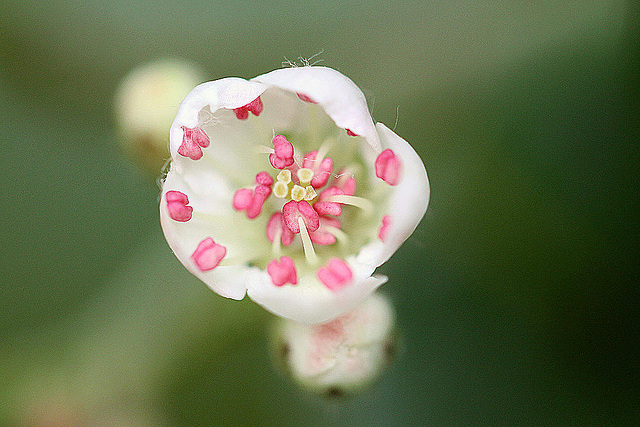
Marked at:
<point>340,235</point>
<point>276,245</point>
<point>309,252</point>
<point>263,149</point>
<point>359,202</point>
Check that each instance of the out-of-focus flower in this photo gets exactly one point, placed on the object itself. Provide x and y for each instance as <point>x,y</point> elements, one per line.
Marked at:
<point>146,104</point>
<point>340,356</point>
<point>283,188</point>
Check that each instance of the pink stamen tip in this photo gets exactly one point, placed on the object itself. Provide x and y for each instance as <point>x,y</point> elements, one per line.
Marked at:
<point>192,140</point>
<point>283,153</point>
<point>254,106</point>
<point>346,182</point>
<point>328,208</point>
<point>242,199</point>
<point>388,167</point>
<point>208,254</point>
<point>260,195</point>
<point>177,206</point>
<point>275,225</point>
<point>324,207</point>
<point>241,113</point>
<point>350,132</point>
<point>335,275</point>
<point>263,178</point>
<point>282,272</point>
<point>322,171</point>
<point>323,237</point>
<point>305,98</point>
<point>384,228</point>
<point>293,210</point>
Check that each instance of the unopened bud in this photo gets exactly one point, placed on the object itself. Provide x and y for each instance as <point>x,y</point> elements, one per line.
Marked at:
<point>146,104</point>
<point>343,355</point>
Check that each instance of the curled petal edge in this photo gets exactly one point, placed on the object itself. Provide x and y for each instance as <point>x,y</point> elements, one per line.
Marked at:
<point>340,97</point>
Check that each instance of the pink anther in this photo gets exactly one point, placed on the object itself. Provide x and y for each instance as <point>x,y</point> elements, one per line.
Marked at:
<point>322,236</point>
<point>251,201</point>
<point>260,195</point>
<point>321,170</point>
<point>346,182</point>
<point>192,141</point>
<point>208,254</point>
<point>325,207</point>
<point>177,206</point>
<point>388,167</point>
<point>293,210</point>
<point>282,272</point>
<point>350,132</point>
<point>328,208</point>
<point>335,275</point>
<point>384,228</point>
<point>283,153</point>
<point>275,226</point>
<point>254,107</point>
<point>263,178</point>
<point>305,98</point>
<point>242,199</point>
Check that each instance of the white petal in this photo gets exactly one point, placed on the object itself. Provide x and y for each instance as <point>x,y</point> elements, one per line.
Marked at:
<point>309,301</point>
<point>409,199</point>
<point>337,94</point>
<point>229,93</point>
<point>210,219</point>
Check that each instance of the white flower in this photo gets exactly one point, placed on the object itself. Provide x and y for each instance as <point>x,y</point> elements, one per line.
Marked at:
<point>282,188</point>
<point>340,356</point>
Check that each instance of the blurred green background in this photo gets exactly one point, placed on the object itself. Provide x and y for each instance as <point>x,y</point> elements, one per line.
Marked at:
<point>516,297</point>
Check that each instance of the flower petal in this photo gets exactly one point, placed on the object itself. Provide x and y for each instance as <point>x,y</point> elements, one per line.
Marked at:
<point>184,238</point>
<point>409,199</point>
<point>228,93</point>
<point>337,94</point>
<point>309,301</point>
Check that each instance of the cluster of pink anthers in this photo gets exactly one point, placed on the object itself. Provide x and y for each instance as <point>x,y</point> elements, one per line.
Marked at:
<point>311,209</point>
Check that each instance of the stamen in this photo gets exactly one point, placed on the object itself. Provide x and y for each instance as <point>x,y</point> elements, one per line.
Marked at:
<point>255,107</point>
<point>305,98</point>
<point>177,205</point>
<point>321,167</point>
<point>384,228</point>
<point>335,275</point>
<point>208,254</point>
<point>340,235</point>
<point>192,141</point>
<point>322,236</point>
<point>359,202</point>
<point>388,167</point>
<point>293,210</point>
<point>309,252</point>
<point>263,149</point>
<point>263,178</point>
<point>282,153</point>
<point>282,272</point>
<point>276,247</point>
<point>277,231</point>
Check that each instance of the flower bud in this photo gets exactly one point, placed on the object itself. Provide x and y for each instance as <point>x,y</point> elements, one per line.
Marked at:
<point>341,356</point>
<point>145,106</point>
